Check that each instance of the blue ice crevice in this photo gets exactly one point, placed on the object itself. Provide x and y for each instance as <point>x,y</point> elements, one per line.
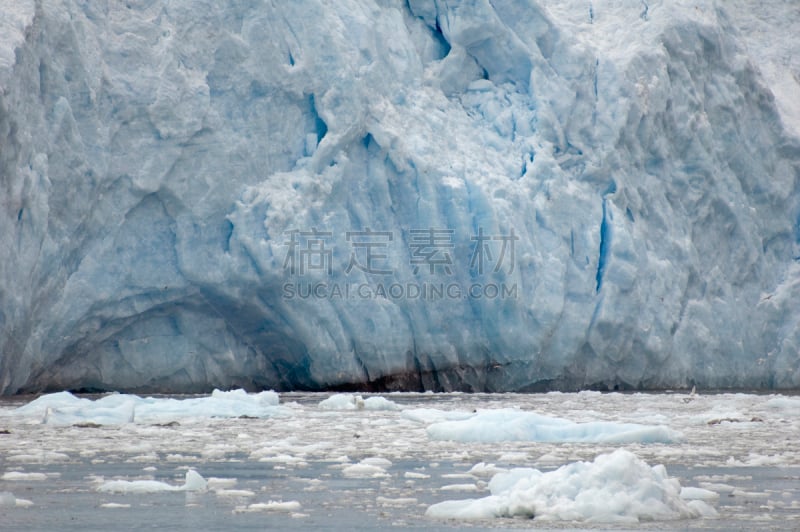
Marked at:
<point>605,244</point>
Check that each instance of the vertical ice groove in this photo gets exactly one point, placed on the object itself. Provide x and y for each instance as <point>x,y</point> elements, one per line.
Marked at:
<point>605,245</point>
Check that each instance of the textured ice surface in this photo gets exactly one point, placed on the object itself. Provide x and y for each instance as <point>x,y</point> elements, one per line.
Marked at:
<point>615,487</point>
<point>346,401</point>
<point>516,425</point>
<point>156,157</point>
<point>194,482</point>
<point>63,408</point>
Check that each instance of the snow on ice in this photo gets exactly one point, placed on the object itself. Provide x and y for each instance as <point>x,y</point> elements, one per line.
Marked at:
<point>615,487</point>
<point>515,425</point>
<point>63,408</point>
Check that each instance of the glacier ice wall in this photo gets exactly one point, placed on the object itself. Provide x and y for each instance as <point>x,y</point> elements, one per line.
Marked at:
<point>158,159</point>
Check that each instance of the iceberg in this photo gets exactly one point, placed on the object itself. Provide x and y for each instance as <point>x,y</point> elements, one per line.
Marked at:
<point>506,424</point>
<point>341,401</point>
<point>614,488</point>
<point>194,482</point>
<point>63,408</point>
<point>363,195</point>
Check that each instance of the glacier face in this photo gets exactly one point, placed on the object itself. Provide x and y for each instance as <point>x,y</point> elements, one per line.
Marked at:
<point>187,188</point>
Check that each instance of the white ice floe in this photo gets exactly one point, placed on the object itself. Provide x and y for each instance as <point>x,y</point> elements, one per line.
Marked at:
<point>377,461</point>
<point>364,471</point>
<point>271,454</point>
<point>8,499</point>
<point>346,401</point>
<point>63,408</point>
<point>270,506</point>
<point>19,475</point>
<point>517,425</point>
<point>367,468</point>
<point>193,482</point>
<point>216,483</point>
<point>396,501</point>
<point>234,494</point>
<point>616,487</point>
<point>786,405</point>
<point>761,460</point>
<point>460,487</point>
<point>37,457</point>
<point>483,469</point>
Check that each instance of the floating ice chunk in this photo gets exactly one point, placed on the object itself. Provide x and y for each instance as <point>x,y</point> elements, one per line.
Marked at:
<point>760,460</point>
<point>234,494</point>
<point>718,487</point>
<point>516,425</point>
<point>342,401</point>
<point>63,408</point>
<point>39,406</point>
<point>377,461</point>
<point>41,457</point>
<point>460,487</point>
<point>282,459</point>
<point>483,469</point>
<point>346,401</point>
<point>785,405</point>
<point>193,482</point>
<point>615,487</point>
<point>266,398</point>
<point>135,486</point>
<point>98,414</point>
<point>364,469</point>
<point>215,483</point>
<point>18,475</point>
<point>750,494</point>
<point>380,403</point>
<point>271,506</point>
<point>396,501</point>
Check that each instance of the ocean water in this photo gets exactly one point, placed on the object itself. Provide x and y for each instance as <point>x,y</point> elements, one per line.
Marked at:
<point>295,471</point>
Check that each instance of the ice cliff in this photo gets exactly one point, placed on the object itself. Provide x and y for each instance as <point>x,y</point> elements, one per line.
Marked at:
<point>558,194</point>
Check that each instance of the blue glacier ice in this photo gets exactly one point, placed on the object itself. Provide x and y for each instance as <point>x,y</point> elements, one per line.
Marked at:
<point>379,194</point>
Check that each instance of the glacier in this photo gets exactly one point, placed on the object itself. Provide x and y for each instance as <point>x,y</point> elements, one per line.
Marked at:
<point>190,189</point>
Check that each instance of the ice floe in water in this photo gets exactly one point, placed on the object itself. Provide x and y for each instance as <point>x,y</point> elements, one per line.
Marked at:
<point>8,499</point>
<point>346,401</point>
<point>517,425</point>
<point>786,405</point>
<point>374,467</point>
<point>22,476</point>
<point>617,487</point>
<point>193,482</point>
<point>270,506</point>
<point>63,408</point>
